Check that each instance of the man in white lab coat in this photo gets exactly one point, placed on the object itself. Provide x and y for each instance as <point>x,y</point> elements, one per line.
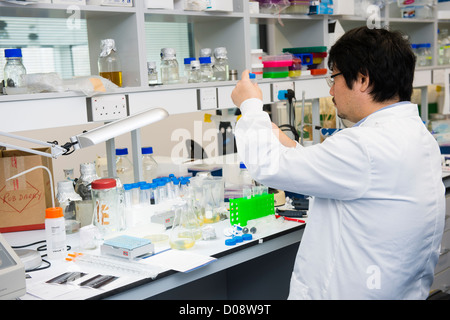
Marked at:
<point>377,212</point>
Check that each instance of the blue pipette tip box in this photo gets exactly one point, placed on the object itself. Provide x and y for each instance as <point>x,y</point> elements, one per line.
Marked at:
<point>127,247</point>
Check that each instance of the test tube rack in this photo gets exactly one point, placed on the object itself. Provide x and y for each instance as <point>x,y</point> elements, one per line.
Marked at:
<point>244,209</point>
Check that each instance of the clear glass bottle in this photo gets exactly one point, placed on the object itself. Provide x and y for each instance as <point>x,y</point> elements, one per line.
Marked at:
<point>194,75</point>
<point>428,58</point>
<point>444,47</point>
<point>246,181</point>
<point>442,35</point>
<point>120,204</point>
<point>109,65</point>
<point>85,207</point>
<point>13,72</point>
<point>149,164</point>
<point>206,52</point>
<point>124,166</point>
<point>152,73</point>
<point>67,198</point>
<point>220,66</point>
<point>415,50</point>
<point>106,215</point>
<point>206,70</point>
<point>169,66</point>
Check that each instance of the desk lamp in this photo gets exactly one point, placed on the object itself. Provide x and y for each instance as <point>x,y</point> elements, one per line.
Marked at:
<point>83,140</point>
<point>94,136</point>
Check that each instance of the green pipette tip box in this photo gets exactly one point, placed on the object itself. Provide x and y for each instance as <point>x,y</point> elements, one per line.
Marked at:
<point>244,209</point>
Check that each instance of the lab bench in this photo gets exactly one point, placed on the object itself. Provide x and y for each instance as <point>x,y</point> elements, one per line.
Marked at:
<point>257,269</point>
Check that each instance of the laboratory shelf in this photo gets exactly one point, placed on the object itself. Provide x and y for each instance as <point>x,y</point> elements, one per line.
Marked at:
<point>283,16</point>
<point>61,10</point>
<point>189,16</point>
<point>210,29</point>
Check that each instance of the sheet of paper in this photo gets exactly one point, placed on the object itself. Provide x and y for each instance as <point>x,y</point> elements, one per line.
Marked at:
<point>177,260</point>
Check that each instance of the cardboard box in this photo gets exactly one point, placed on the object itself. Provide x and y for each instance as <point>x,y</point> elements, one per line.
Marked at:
<point>23,200</point>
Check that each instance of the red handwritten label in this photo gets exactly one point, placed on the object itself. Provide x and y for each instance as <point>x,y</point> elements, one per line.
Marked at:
<point>14,162</point>
<point>19,201</point>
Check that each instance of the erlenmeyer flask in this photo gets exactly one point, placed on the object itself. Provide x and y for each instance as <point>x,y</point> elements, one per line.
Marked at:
<point>185,229</point>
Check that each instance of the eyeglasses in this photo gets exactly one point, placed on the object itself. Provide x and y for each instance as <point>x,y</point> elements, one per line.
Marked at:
<point>330,78</point>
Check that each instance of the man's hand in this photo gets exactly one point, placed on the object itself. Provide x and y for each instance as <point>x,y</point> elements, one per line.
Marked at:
<point>245,89</point>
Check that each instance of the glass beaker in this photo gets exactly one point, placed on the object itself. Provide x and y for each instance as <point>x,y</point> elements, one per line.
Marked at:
<point>195,197</point>
<point>185,228</point>
<point>213,194</point>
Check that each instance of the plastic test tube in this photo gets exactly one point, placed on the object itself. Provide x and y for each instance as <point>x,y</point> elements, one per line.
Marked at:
<point>152,192</point>
<point>135,194</point>
<point>127,195</point>
<point>160,192</point>
<point>175,184</point>
<point>184,187</point>
<point>144,196</point>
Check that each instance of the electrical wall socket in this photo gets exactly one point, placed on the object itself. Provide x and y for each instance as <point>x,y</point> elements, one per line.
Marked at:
<point>277,86</point>
<point>107,108</point>
<point>207,98</point>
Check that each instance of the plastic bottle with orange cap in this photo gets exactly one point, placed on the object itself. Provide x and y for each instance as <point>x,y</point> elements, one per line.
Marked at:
<point>55,233</point>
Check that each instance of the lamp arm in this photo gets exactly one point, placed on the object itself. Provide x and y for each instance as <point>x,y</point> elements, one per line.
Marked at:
<point>93,137</point>
<point>56,150</point>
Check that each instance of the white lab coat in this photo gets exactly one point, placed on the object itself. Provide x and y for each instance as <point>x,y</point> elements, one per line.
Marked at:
<point>378,203</point>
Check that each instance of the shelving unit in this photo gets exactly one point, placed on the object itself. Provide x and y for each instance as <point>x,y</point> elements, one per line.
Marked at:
<point>211,29</point>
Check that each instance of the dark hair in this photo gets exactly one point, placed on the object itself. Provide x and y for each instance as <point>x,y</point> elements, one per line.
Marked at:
<point>385,56</point>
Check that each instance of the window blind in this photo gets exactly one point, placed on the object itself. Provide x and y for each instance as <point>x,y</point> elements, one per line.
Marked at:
<point>50,45</point>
